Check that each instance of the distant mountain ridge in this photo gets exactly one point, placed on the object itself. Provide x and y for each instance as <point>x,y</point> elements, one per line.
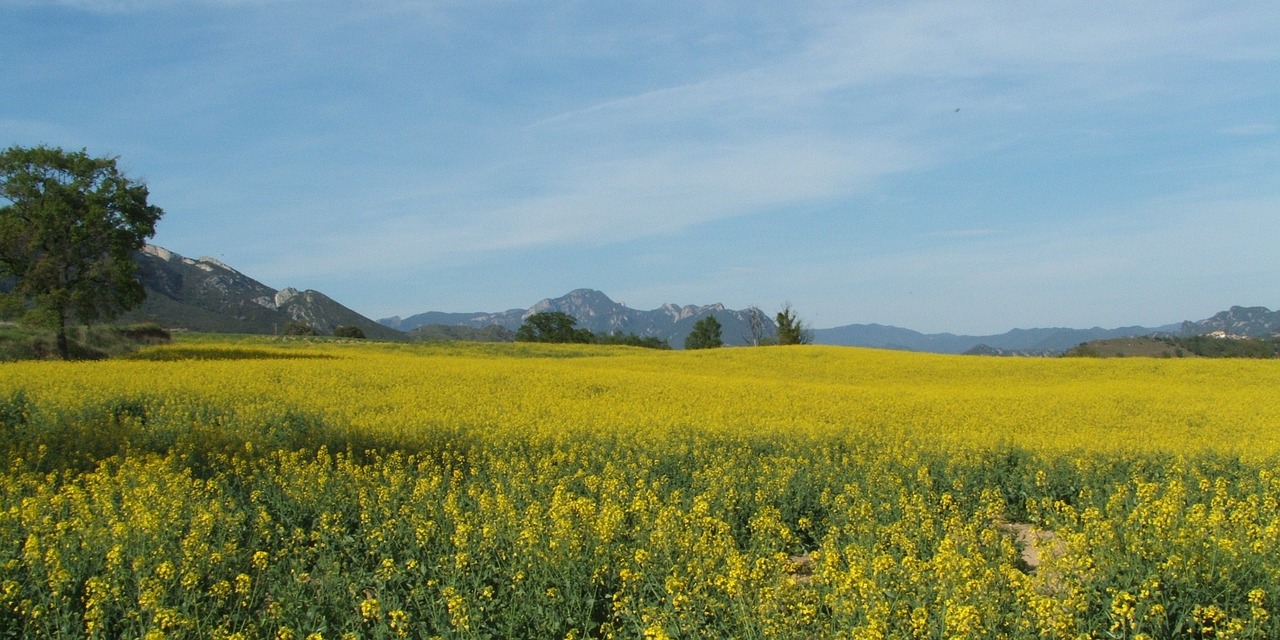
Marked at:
<point>597,312</point>
<point>1253,322</point>
<point>207,295</point>
<point>1031,341</point>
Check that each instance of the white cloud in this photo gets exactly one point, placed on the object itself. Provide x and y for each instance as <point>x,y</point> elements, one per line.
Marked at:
<point>615,201</point>
<point>764,137</point>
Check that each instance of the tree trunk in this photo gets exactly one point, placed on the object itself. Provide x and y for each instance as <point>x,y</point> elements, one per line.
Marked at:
<point>64,350</point>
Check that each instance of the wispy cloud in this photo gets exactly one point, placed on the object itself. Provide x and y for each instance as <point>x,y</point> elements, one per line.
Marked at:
<point>857,100</point>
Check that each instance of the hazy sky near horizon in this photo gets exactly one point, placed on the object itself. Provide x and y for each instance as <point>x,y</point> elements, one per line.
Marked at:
<point>967,166</point>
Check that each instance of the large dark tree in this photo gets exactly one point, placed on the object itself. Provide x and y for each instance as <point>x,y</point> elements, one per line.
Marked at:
<point>706,334</point>
<point>552,326</point>
<point>68,234</point>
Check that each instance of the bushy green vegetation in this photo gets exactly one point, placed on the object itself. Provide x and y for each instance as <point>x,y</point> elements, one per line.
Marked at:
<point>1179,347</point>
<point>552,326</point>
<point>561,328</point>
<point>791,329</point>
<point>24,342</point>
<point>458,333</point>
<point>1215,347</point>
<point>630,339</point>
<point>348,331</point>
<point>706,334</point>
<point>297,328</point>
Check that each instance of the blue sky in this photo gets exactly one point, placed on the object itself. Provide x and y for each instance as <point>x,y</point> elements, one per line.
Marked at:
<point>962,166</point>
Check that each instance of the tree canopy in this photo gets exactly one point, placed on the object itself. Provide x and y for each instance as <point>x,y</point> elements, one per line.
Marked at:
<point>68,235</point>
<point>348,331</point>
<point>705,334</point>
<point>558,326</point>
<point>552,326</point>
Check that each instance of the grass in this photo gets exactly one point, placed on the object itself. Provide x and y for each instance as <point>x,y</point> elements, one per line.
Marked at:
<point>25,342</point>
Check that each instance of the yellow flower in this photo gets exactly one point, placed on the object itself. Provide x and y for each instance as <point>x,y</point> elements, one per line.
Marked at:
<point>370,609</point>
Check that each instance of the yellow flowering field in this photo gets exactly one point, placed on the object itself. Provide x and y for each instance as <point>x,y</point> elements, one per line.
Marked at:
<point>248,488</point>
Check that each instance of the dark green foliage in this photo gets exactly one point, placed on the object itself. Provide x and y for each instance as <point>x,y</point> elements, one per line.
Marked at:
<point>1205,346</point>
<point>705,335</point>
<point>349,331</point>
<point>560,327</point>
<point>1213,347</point>
<point>552,326</point>
<point>68,235</point>
<point>451,333</point>
<point>297,328</point>
<point>146,333</point>
<point>170,354</point>
<point>19,342</point>
<point>791,330</point>
<point>631,339</point>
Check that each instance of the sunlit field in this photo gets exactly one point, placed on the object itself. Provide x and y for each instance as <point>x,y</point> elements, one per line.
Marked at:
<point>247,488</point>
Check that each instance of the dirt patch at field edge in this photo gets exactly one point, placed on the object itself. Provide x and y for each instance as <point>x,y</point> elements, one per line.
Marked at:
<point>1034,544</point>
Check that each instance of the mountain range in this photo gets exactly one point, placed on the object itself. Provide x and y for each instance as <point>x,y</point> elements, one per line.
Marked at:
<point>206,295</point>
<point>1016,341</point>
<point>597,312</point>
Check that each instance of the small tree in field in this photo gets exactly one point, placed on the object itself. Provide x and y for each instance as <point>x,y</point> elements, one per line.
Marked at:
<point>68,235</point>
<point>791,330</point>
<point>552,326</point>
<point>705,335</point>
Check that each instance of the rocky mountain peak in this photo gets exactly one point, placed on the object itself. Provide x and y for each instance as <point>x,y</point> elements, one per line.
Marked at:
<point>207,295</point>
<point>284,295</point>
<point>678,312</point>
<point>1237,321</point>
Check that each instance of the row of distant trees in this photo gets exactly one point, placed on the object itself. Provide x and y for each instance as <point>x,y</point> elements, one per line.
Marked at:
<point>708,333</point>
<point>558,326</point>
<point>300,328</point>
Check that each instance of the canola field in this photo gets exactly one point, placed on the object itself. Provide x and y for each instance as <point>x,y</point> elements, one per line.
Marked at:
<point>245,488</point>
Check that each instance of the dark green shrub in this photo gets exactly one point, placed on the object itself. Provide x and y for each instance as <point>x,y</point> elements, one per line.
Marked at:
<point>349,331</point>
<point>297,328</point>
